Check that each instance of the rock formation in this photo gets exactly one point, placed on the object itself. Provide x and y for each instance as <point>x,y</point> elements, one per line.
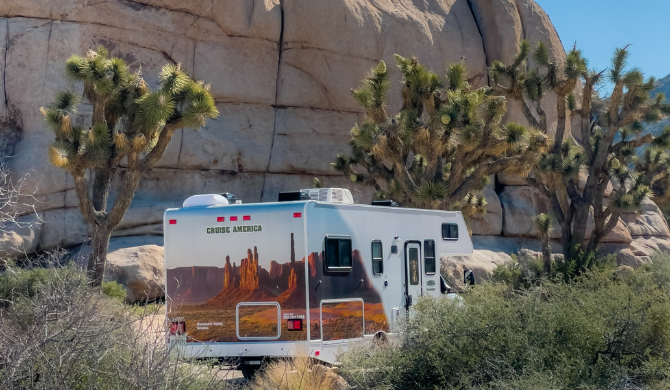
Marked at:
<point>229,278</point>
<point>137,264</point>
<point>281,73</point>
<point>249,271</point>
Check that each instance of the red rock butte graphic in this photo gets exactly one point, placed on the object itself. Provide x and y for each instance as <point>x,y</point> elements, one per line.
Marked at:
<point>225,287</point>
<point>211,294</point>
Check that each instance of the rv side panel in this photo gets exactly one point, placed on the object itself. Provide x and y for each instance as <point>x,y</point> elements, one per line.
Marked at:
<point>236,273</point>
<point>395,258</point>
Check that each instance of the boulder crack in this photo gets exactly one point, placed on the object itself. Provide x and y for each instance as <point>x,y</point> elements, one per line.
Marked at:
<point>4,68</point>
<point>274,125</point>
<point>481,37</point>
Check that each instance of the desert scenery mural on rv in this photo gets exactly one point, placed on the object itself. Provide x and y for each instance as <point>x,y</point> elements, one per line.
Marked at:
<point>263,269</point>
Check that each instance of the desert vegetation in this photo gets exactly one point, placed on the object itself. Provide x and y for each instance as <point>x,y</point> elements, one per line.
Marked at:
<point>609,143</point>
<point>61,333</point>
<point>603,329</point>
<point>440,149</point>
<point>131,127</point>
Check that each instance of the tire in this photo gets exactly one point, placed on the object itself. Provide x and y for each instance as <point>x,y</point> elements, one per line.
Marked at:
<point>248,372</point>
<point>381,338</point>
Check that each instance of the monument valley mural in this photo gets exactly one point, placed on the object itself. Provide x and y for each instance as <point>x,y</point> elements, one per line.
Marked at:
<point>207,297</point>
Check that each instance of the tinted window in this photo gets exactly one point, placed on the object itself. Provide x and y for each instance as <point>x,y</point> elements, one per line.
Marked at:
<point>345,253</point>
<point>449,231</point>
<point>338,254</point>
<point>413,266</point>
<point>377,259</point>
<point>429,257</point>
<point>332,252</point>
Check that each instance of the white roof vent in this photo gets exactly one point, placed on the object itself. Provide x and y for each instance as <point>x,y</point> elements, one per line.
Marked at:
<point>205,200</point>
<point>330,195</point>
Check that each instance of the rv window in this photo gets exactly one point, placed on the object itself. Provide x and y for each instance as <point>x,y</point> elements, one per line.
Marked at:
<point>450,231</point>
<point>338,254</point>
<point>413,266</point>
<point>377,258</point>
<point>429,257</point>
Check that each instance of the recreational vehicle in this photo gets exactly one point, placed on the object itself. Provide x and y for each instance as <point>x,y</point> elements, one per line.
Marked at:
<point>312,271</point>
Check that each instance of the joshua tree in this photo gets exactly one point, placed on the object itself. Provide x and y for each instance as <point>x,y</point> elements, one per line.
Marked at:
<point>440,149</point>
<point>544,223</point>
<point>129,121</point>
<point>611,132</point>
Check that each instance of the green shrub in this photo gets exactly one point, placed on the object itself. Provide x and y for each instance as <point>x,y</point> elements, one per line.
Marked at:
<point>595,332</point>
<point>27,281</point>
<point>114,290</point>
<point>525,270</point>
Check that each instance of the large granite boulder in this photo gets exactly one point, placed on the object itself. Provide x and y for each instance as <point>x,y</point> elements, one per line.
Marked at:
<point>489,252</point>
<point>521,203</point>
<point>20,237</point>
<point>281,74</point>
<point>134,262</point>
<point>490,223</point>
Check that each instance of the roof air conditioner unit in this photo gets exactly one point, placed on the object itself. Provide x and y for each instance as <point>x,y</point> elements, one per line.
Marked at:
<point>205,200</point>
<point>330,195</point>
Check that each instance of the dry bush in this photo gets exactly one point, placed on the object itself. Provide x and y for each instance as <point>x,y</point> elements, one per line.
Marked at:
<point>58,333</point>
<point>298,373</point>
<point>15,200</point>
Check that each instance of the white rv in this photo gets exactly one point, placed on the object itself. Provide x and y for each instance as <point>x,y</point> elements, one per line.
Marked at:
<point>250,281</point>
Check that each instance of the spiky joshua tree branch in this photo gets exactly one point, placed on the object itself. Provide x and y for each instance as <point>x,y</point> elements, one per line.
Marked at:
<point>611,133</point>
<point>129,121</point>
<point>442,146</point>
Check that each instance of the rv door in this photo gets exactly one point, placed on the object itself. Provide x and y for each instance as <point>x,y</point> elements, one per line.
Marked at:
<point>413,272</point>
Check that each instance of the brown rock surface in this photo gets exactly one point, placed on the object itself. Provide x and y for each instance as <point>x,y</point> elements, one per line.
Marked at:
<point>649,221</point>
<point>134,262</point>
<point>281,73</point>
<point>521,203</point>
<point>489,224</point>
<point>20,237</point>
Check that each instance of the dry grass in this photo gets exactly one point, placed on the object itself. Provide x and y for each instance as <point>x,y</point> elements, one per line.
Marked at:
<point>298,373</point>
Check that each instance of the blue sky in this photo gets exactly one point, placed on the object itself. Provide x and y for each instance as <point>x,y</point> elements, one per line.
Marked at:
<point>599,26</point>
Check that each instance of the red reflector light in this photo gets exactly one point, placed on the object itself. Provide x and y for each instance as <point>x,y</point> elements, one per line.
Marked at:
<point>233,219</point>
<point>294,324</point>
<point>297,215</point>
<point>220,219</point>
<point>173,222</point>
<point>316,353</point>
<point>178,327</point>
<point>247,218</point>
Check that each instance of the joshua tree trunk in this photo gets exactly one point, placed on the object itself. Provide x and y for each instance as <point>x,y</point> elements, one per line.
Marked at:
<point>98,256</point>
<point>546,253</point>
<point>543,222</point>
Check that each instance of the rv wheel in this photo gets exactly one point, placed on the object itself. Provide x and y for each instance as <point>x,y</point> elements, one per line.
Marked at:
<point>381,338</point>
<point>248,372</point>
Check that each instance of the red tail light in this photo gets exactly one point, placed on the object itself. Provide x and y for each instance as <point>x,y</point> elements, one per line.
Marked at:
<point>294,324</point>
<point>173,222</point>
<point>246,218</point>
<point>220,219</point>
<point>233,219</point>
<point>297,215</point>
